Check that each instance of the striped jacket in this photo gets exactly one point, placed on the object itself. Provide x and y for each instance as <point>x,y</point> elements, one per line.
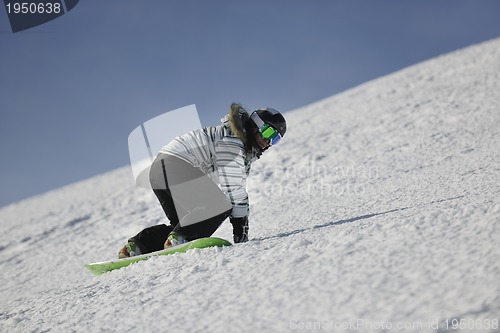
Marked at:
<point>219,152</point>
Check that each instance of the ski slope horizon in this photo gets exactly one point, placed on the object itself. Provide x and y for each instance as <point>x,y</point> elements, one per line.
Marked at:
<point>378,210</point>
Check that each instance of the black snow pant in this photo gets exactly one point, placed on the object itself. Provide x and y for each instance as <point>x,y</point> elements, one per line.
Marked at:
<point>186,194</point>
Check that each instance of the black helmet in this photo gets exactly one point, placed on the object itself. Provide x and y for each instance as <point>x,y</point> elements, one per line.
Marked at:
<point>271,117</point>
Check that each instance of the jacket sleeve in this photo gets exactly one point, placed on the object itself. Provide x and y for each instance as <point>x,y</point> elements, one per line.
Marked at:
<point>233,174</point>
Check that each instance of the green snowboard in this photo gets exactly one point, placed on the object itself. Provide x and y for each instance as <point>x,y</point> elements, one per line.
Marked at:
<point>99,268</point>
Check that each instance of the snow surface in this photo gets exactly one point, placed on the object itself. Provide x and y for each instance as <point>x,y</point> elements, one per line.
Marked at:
<point>378,211</point>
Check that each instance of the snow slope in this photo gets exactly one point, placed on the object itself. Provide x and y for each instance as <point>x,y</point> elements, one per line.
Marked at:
<point>378,211</point>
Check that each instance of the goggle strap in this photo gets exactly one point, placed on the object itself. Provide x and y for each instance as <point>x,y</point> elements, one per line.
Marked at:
<point>257,120</point>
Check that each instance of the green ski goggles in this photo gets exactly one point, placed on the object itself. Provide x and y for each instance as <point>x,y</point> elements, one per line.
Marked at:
<point>270,133</point>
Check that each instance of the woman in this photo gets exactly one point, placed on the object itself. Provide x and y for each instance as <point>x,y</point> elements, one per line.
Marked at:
<point>200,178</point>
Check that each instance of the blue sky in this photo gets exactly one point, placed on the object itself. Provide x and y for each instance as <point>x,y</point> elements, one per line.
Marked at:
<point>73,89</point>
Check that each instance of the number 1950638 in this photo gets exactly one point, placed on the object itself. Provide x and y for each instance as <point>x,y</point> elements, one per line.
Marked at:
<point>33,8</point>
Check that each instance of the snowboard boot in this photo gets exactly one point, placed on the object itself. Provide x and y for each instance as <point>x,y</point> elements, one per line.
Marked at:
<point>129,250</point>
<point>175,238</point>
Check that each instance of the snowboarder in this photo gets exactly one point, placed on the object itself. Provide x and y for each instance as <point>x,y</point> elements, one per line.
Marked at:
<point>200,177</point>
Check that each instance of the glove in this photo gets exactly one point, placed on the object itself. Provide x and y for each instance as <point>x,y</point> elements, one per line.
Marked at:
<point>240,229</point>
